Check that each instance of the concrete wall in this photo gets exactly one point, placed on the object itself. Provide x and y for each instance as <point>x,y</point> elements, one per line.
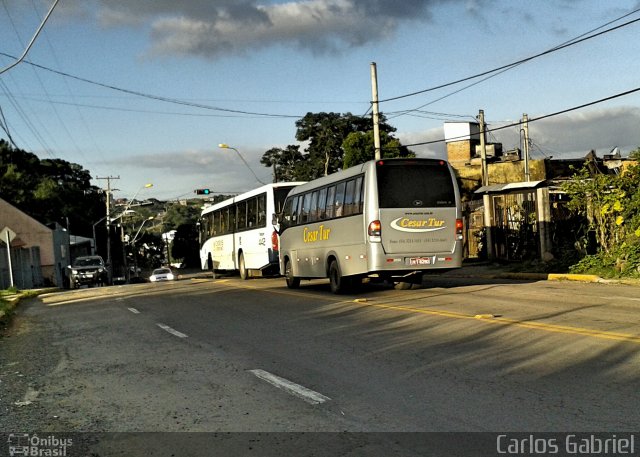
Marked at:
<point>499,172</point>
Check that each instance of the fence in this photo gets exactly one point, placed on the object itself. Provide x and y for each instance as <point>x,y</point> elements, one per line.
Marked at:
<point>25,266</point>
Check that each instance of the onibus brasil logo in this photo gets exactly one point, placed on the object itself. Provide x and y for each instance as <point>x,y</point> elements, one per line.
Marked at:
<point>24,444</point>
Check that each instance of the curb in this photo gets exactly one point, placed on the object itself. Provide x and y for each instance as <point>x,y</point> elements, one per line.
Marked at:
<point>538,277</point>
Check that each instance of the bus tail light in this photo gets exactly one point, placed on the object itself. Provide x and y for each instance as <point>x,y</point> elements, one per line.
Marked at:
<point>374,228</point>
<point>459,229</point>
<point>275,245</point>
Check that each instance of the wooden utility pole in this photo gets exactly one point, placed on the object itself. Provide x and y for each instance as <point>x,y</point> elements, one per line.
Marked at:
<point>483,150</point>
<point>376,113</point>
<point>525,130</point>
<point>108,195</point>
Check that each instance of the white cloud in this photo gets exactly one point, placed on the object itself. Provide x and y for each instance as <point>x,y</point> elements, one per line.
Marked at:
<point>212,28</point>
<point>568,136</point>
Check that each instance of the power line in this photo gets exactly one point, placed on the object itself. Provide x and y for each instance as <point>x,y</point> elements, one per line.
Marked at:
<point>539,118</point>
<point>155,97</point>
<point>509,66</point>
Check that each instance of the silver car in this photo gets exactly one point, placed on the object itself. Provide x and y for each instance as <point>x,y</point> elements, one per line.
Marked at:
<point>162,274</point>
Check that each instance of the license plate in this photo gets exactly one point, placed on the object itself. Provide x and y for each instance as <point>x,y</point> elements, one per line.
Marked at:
<point>420,261</point>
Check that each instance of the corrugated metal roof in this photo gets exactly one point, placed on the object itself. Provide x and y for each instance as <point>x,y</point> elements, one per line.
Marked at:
<point>510,187</point>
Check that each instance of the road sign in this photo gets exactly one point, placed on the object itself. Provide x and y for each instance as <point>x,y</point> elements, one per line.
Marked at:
<point>7,234</point>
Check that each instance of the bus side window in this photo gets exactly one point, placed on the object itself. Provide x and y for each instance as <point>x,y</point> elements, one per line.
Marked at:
<point>298,209</point>
<point>322,204</point>
<point>241,215</point>
<point>286,218</point>
<point>359,192</point>
<point>339,206</point>
<point>211,228</point>
<point>313,209</point>
<point>291,214</point>
<point>331,193</point>
<point>349,198</point>
<point>306,206</point>
<point>252,212</point>
<point>262,210</point>
<point>223,221</point>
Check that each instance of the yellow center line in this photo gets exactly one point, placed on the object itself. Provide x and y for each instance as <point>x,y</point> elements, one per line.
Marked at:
<point>513,322</point>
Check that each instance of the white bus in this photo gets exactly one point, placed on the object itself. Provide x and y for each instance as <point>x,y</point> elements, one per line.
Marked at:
<point>236,235</point>
<point>391,219</point>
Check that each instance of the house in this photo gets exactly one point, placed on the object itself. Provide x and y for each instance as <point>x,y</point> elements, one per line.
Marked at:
<point>39,254</point>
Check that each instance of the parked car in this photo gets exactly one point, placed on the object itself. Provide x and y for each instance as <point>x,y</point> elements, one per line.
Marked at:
<point>162,274</point>
<point>89,270</point>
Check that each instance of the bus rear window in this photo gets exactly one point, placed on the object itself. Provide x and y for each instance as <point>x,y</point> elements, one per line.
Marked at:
<point>415,185</point>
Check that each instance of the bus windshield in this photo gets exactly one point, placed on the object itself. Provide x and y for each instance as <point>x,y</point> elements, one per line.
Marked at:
<point>423,184</point>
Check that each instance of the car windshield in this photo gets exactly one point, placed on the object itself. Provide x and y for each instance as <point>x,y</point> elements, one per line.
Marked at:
<point>88,262</point>
<point>161,271</point>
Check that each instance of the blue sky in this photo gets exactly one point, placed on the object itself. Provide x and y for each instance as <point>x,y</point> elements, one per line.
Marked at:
<point>285,59</point>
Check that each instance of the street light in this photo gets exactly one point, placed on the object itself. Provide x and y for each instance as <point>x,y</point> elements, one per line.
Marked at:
<point>109,220</point>
<point>133,245</point>
<point>226,146</point>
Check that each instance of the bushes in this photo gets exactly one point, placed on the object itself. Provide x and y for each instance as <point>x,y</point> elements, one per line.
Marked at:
<point>611,205</point>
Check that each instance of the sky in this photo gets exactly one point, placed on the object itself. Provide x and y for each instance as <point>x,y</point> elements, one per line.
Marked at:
<point>146,90</point>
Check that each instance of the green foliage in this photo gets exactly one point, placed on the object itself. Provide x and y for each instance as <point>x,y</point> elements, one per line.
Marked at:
<point>635,154</point>
<point>334,141</point>
<point>50,190</point>
<point>360,146</point>
<point>611,204</point>
<point>177,215</point>
<point>284,161</point>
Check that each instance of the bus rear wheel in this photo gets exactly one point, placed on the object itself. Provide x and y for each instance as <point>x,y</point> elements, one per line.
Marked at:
<point>339,284</point>
<point>244,273</point>
<point>292,281</point>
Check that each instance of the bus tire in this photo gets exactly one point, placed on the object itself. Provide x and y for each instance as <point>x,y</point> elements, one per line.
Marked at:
<point>244,273</point>
<point>339,284</point>
<point>292,281</point>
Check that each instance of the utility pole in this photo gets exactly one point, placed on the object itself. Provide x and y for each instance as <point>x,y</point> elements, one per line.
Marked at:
<point>109,266</point>
<point>525,129</point>
<point>376,113</point>
<point>483,150</point>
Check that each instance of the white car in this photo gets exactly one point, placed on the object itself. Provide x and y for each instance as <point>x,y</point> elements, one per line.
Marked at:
<point>162,274</point>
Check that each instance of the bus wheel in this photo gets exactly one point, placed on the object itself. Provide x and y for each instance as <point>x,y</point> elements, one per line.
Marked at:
<point>338,283</point>
<point>292,281</point>
<point>244,274</point>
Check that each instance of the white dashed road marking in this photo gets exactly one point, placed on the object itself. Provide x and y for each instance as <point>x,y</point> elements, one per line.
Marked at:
<point>166,328</point>
<point>308,395</point>
<point>134,311</point>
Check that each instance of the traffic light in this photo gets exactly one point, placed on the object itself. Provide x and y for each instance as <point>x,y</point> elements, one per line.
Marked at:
<point>202,191</point>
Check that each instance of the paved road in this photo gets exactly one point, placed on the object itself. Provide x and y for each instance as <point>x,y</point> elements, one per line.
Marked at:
<point>231,355</point>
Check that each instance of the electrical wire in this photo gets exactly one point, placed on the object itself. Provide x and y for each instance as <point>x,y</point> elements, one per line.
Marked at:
<point>535,119</point>
<point>509,66</point>
<point>156,97</point>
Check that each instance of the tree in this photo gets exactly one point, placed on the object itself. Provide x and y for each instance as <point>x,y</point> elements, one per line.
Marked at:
<point>359,147</point>
<point>635,154</point>
<point>50,190</point>
<point>177,215</point>
<point>185,245</point>
<point>283,161</point>
<point>325,134</point>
